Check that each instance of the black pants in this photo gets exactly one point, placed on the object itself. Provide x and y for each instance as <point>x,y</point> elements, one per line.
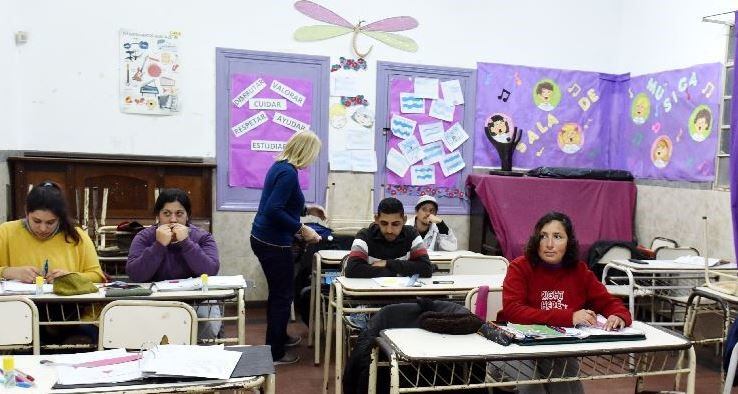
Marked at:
<point>278,265</point>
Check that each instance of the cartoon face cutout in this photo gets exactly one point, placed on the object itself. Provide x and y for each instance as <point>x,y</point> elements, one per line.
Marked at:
<point>337,115</point>
<point>570,138</point>
<point>546,94</point>
<point>640,108</point>
<point>363,117</point>
<point>661,151</point>
<point>700,123</point>
<point>498,127</point>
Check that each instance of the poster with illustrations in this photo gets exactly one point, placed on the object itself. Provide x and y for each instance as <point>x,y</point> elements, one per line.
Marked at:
<point>426,133</point>
<point>669,124</point>
<point>561,116</point>
<point>265,111</point>
<point>149,66</point>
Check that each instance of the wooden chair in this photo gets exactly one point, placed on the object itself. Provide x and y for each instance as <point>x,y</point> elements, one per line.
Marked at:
<point>20,324</point>
<point>131,324</point>
<point>479,265</point>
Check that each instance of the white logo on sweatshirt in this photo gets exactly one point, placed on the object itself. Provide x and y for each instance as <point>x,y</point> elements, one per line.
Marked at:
<point>552,299</point>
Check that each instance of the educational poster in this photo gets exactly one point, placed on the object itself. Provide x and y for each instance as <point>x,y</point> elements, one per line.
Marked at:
<point>265,112</point>
<point>351,120</point>
<point>669,124</point>
<point>149,73</point>
<point>562,116</point>
<point>426,134</point>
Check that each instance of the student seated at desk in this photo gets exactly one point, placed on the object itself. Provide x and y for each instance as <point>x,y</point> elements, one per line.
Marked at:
<point>431,227</point>
<point>174,248</point>
<point>388,247</point>
<point>550,285</point>
<point>46,242</point>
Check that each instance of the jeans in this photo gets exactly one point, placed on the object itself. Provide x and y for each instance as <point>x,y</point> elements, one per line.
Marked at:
<point>278,265</point>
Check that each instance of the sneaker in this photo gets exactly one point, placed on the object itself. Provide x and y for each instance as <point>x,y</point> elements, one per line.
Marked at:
<point>292,341</point>
<point>288,358</point>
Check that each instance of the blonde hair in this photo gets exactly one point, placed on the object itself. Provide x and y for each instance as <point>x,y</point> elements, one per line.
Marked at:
<point>301,150</point>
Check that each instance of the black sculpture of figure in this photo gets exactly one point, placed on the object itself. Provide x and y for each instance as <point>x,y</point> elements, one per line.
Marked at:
<point>498,133</point>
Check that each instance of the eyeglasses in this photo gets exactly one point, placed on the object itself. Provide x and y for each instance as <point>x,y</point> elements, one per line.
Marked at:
<point>168,214</point>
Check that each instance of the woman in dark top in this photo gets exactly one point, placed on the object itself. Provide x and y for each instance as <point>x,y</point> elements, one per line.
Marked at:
<point>276,224</point>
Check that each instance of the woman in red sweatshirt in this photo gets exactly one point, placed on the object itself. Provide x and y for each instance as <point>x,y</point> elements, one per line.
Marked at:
<point>550,285</point>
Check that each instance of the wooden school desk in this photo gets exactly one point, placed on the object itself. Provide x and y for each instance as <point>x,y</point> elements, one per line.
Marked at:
<point>324,260</point>
<point>655,277</point>
<point>45,378</point>
<point>347,293</point>
<point>420,360</point>
<point>70,310</point>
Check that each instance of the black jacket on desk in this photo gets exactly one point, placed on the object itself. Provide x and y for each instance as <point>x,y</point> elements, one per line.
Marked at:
<point>405,256</point>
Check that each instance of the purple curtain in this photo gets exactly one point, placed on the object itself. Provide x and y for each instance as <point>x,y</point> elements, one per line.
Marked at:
<point>733,169</point>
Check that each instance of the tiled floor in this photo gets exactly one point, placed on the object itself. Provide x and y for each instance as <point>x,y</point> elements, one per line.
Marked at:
<point>305,377</point>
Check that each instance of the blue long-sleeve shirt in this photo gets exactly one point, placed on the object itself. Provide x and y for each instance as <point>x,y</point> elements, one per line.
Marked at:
<point>280,207</point>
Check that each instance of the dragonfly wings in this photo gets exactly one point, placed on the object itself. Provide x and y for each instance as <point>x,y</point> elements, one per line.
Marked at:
<point>320,32</point>
<point>403,43</point>
<point>321,13</point>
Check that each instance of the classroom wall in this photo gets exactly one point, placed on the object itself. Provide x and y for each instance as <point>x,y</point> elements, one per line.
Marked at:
<point>64,82</point>
<point>9,71</point>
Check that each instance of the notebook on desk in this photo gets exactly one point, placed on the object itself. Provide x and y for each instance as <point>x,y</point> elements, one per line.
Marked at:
<point>538,334</point>
<point>214,283</point>
<point>13,287</point>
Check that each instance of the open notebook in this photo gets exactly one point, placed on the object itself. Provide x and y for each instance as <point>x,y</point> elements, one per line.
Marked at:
<point>214,283</point>
<point>13,287</point>
<point>532,334</point>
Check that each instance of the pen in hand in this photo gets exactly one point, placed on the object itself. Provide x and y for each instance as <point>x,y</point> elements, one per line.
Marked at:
<point>46,268</point>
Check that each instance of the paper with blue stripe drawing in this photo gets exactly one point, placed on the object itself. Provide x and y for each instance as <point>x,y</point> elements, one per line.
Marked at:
<point>432,153</point>
<point>402,127</point>
<point>423,175</point>
<point>411,149</point>
<point>452,163</point>
<point>431,132</point>
<point>409,104</point>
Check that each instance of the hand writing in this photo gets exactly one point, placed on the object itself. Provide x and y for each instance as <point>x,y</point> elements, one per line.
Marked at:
<point>584,316</point>
<point>25,274</point>
<point>55,273</point>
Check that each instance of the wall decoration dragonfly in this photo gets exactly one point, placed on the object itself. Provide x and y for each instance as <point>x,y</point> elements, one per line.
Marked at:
<point>340,26</point>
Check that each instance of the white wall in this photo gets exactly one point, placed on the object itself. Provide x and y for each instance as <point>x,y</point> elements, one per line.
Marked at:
<point>9,76</point>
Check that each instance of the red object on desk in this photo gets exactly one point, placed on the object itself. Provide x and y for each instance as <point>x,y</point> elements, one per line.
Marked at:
<point>598,209</point>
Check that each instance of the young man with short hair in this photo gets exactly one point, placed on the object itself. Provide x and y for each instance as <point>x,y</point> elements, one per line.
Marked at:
<point>388,247</point>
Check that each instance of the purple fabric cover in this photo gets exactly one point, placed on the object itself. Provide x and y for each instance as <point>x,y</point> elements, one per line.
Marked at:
<point>598,209</point>
<point>150,261</point>
<point>248,168</point>
<point>402,85</point>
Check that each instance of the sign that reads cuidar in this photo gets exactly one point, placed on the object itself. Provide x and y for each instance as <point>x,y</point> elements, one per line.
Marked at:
<point>269,104</point>
<point>250,124</point>
<point>290,123</point>
<point>287,92</point>
<point>249,92</point>
<point>268,146</point>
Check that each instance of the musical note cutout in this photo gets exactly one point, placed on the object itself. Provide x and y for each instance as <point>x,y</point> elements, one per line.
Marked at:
<point>518,81</point>
<point>637,139</point>
<point>540,152</point>
<point>656,127</point>
<point>504,96</point>
<point>679,136</point>
<point>708,89</point>
<point>574,89</point>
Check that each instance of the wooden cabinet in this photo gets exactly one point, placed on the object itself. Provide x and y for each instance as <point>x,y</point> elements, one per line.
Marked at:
<point>131,184</point>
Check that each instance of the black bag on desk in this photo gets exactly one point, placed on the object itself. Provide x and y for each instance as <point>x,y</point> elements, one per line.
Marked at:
<point>580,173</point>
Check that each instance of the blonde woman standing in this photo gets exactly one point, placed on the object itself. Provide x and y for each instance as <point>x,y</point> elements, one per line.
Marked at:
<point>276,224</point>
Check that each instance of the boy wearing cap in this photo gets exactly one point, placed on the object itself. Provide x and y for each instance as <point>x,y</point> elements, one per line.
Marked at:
<point>388,247</point>
<point>435,233</point>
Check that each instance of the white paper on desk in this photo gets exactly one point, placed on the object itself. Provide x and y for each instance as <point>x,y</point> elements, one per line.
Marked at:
<point>411,149</point>
<point>116,373</point>
<point>340,160</point>
<point>452,163</point>
<point>211,362</point>
<point>452,92</point>
<point>363,160</point>
<point>392,281</point>
<point>433,153</point>
<point>396,162</point>
<point>441,109</point>
<point>696,261</point>
<point>226,282</point>
<point>214,283</point>
<point>454,137</point>
<point>359,139</point>
<point>423,175</point>
<point>409,104</point>
<point>425,87</point>
<point>344,85</point>
<point>431,132</point>
<point>11,287</point>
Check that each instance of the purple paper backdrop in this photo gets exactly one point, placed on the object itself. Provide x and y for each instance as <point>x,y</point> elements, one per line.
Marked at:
<point>405,85</point>
<point>670,124</point>
<point>569,129</point>
<point>248,168</point>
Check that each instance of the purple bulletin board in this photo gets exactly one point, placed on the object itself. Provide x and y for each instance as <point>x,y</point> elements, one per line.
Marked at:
<point>247,167</point>
<point>405,85</point>
<point>670,124</point>
<point>563,115</point>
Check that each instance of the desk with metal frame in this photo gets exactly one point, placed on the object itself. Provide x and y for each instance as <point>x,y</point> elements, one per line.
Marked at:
<point>346,293</point>
<point>45,378</point>
<point>423,361</point>
<point>85,309</point>
<point>656,277</point>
